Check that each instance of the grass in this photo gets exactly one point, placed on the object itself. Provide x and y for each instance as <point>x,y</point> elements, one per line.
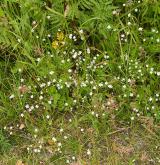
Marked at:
<point>79,82</point>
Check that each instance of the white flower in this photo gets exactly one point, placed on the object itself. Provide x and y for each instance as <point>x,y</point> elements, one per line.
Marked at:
<point>129,23</point>
<point>81,31</point>
<point>132,118</point>
<point>140,29</point>
<point>34,22</point>
<point>136,10</point>
<point>19,40</point>
<point>70,36</point>
<point>88,152</point>
<point>73,157</point>
<point>66,104</point>
<point>47,116</point>
<point>35,130</point>
<point>69,70</point>
<point>82,129</point>
<point>41,97</point>
<point>27,106</point>
<point>65,137</point>
<point>92,113</point>
<point>37,106</point>
<point>158,73</point>
<point>61,130</point>
<point>62,61</point>
<point>90,93</point>
<point>67,161</point>
<point>54,139</point>
<point>88,51</point>
<point>11,96</point>
<point>129,15</point>
<point>59,144</point>
<point>109,27</point>
<point>94,87</point>
<point>49,102</point>
<point>22,115</point>
<point>48,16</point>
<point>38,59</point>
<point>114,12</point>
<point>51,72</point>
<point>49,35</point>
<point>131,94</point>
<point>110,86</point>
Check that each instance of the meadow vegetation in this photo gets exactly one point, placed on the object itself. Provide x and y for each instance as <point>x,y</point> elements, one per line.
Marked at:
<point>79,82</point>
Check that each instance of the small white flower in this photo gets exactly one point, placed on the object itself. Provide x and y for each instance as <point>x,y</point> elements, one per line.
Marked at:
<point>73,157</point>
<point>34,22</point>
<point>35,150</point>
<point>150,99</point>
<point>131,94</point>
<point>62,61</point>
<point>41,97</point>
<point>132,118</point>
<point>90,93</point>
<point>88,51</point>
<point>81,31</point>
<point>88,152</point>
<point>37,106</point>
<point>61,130</point>
<point>158,73</point>
<point>70,70</point>
<point>66,104</point>
<point>51,72</point>
<point>32,30</point>
<point>70,36</point>
<point>48,16</point>
<point>136,10</point>
<point>114,12</point>
<point>65,137</point>
<point>19,40</point>
<point>92,113</point>
<point>129,23</point>
<point>82,129</point>
<point>27,106</point>
<point>110,86</point>
<point>54,139</point>
<point>35,130</point>
<point>47,116</point>
<point>31,96</point>
<point>59,144</point>
<point>67,161</point>
<point>49,102</point>
<point>109,27</point>
<point>140,29</point>
<point>38,59</point>
<point>11,96</point>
